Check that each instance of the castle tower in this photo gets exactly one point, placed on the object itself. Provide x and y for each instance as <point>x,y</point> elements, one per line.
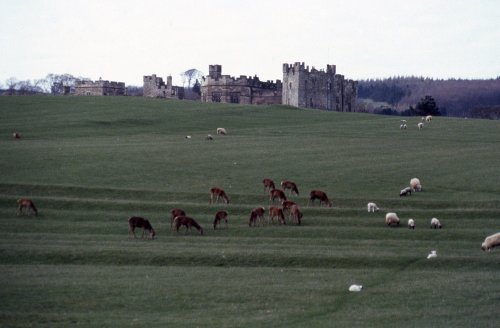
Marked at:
<point>215,71</point>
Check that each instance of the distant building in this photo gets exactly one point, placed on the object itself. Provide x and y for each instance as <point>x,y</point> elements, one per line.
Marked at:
<point>155,87</point>
<point>318,89</point>
<point>241,90</point>
<point>99,88</point>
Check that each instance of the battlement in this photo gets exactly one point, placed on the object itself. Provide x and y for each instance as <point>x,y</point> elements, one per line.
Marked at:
<point>154,86</point>
<point>298,67</point>
<point>99,88</point>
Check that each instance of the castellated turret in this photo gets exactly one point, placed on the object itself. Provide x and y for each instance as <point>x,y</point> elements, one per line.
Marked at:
<point>154,86</point>
<point>322,89</point>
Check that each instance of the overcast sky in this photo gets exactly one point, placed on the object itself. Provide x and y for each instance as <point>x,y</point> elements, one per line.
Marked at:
<point>124,40</point>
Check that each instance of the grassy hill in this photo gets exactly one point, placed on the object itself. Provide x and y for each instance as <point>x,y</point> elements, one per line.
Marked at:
<point>91,163</point>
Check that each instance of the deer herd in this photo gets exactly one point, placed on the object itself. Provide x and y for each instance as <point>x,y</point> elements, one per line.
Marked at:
<point>280,208</point>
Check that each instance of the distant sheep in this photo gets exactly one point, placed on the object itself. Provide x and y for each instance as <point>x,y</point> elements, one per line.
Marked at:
<point>221,131</point>
<point>391,219</point>
<point>435,224</point>
<point>428,118</point>
<point>415,184</point>
<point>209,137</point>
<point>420,125</point>
<point>372,207</point>
<point>355,288</point>
<point>491,242</point>
<point>16,135</point>
<point>411,224</point>
<point>403,126</point>
<point>405,192</point>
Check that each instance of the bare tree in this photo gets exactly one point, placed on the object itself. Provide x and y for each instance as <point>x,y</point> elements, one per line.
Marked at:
<point>11,84</point>
<point>190,76</point>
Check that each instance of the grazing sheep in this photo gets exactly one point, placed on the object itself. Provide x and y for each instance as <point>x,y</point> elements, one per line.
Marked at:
<point>432,254</point>
<point>404,121</point>
<point>355,288</point>
<point>403,126</point>
<point>188,137</point>
<point>411,224</point>
<point>221,131</point>
<point>16,135</point>
<point>372,207</point>
<point>256,215</point>
<point>219,216</point>
<point>26,206</point>
<point>428,118</point>
<point>415,184</point>
<point>491,242</point>
<point>209,137</point>
<point>391,219</point>
<point>435,224</point>
<point>405,192</point>
<point>420,125</point>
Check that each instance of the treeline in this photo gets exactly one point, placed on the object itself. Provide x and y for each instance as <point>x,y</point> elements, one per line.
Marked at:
<point>454,97</point>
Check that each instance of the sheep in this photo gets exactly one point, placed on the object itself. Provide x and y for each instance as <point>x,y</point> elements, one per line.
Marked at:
<point>428,118</point>
<point>404,121</point>
<point>209,137</point>
<point>188,137</point>
<point>16,135</point>
<point>391,219</point>
<point>491,242</point>
<point>355,288</point>
<point>405,192</point>
<point>432,254</point>
<point>221,131</point>
<point>403,126</point>
<point>372,207</point>
<point>415,184</point>
<point>420,125</point>
<point>411,224</point>
<point>435,224</point>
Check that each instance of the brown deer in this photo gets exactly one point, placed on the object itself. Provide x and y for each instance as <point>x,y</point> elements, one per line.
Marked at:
<point>216,194</point>
<point>296,214</point>
<point>138,222</point>
<point>175,213</point>
<point>256,215</point>
<point>289,185</point>
<point>318,194</point>
<point>26,206</point>
<point>188,222</point>
<point>219,216</point>
<point>276,194</point>
<point>268,185</point>
<point>276,212</point>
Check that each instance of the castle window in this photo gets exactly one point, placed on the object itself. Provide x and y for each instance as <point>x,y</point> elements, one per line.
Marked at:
<point>290,85</point>
<point>234,97</point>
<point>216,96</point>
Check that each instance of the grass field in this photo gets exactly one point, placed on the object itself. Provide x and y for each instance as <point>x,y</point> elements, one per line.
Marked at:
<point>90,163</point>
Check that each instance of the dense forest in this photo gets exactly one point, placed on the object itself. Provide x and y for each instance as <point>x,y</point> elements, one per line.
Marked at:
<point>454,97</point>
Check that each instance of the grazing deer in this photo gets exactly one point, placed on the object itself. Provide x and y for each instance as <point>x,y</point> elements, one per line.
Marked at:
<point>216,193</point>
<point>268,185</point>
<point>26,206</point>
<point>175,213</point>
<point>317,194</point>
<point>276,194</point>
<point>256,215</point>
<point>276,212</point>
<point>296,214</point>
<point>286,205</point>
<point>219,216</point>
<point>289,185</point>
<point>138,222</point>
<point>188,223</point>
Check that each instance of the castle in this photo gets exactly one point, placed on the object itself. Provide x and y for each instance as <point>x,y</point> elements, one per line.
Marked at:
<point>155,87</point>
<point>99,88</point>
<point>310,88</point>
<point>241,90</point>
<point>301,87</point>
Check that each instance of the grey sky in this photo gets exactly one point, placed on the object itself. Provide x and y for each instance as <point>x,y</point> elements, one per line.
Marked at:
<point>124,40</point>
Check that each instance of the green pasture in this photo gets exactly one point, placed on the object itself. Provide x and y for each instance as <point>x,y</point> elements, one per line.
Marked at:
<point>90,163</point>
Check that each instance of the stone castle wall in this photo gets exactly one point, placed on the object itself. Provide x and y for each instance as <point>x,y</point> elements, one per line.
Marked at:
<point>99,88</point>
<point>241,90</point>
<point>321,89</point>
<point>155,87</point>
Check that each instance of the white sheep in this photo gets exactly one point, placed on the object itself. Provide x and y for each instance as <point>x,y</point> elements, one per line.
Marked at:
<point>491,242</point>
<point>404,121</point>
<point>221,131</point>
<point>355,288</point>
<point>209,137</point>
<point>435,224</point>
<point>411,224</point>
<point>415,184</point>
<point>428,118</point>
<point>405,192</point>
<point>188,137</point>
<point>403,126</point>
<point>420,125</point>
<point>432,254</point>
<point>391,218</point>
<point>372,207</point>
